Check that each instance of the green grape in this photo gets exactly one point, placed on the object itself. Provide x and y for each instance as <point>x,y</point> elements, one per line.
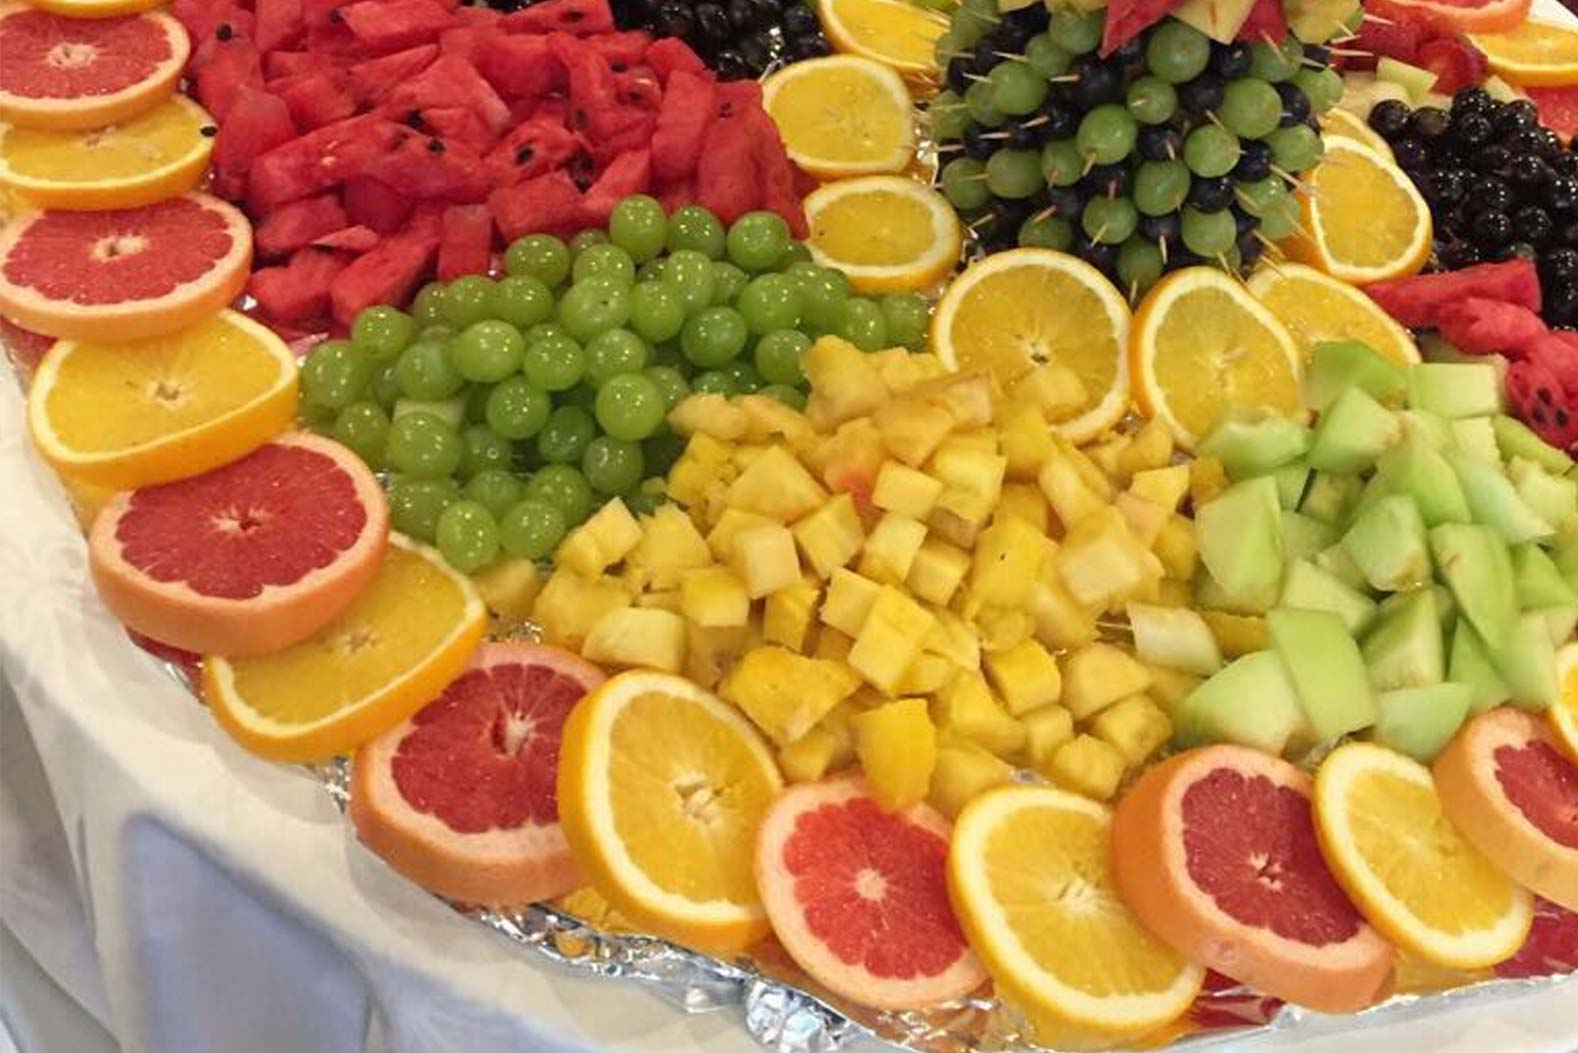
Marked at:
<point>863,324</point>
<point>1232,260</point>
<point>1061,163</point>
<point>981,103</point>
<point>604,260</point>
<point>363,426</point>
<point>423,445</point>
<point>1276,63</point>
<point>435,333</point>
<point>1045,57</point>
<point>689,273</point>
<point>585,240</point>
<point>945,47</point>
<point>1209,151</point>
<point>964,183</point>
<point>542,256</point>
<point>794,398</point>
<point>713,382</point>
<point>1152,100</point>
<point>1014,174</point>
<point>427,307</point>
<point>650,271</point>
<point>797,252</point>
<point>416,504</point>
<point>496,489</point>
<point>532,529</point>
<point>1016,88</point>
<point>769,302</point>
<point>728,281</point>
<point>424,371</point>
<point>757,240</point>
<point>1295,148</point>
<point>1280,217</point>
<point>594,306</point>
<point>319,418</point>
<point>907,316</point>
<point>657,311</point>
<point>1250,108</point>
<point>487,352</point>
<point>385,385</point>
<point>522,300</point>
<point>1177,52</point>
<point>695,229</point>
<point>670,382</point>
<point>1106,134</point>
<point>467,536</point>
<point>1160,187</point>
<point>1208,234</point>
<point>516,410</point>
<point>1260,197</point>
<point>1075,31</point>
<point>335,374</point>
<point>382,332</point>
<point>970,26</point>
<point>1109,221</point>
<point>468,300</point>
<point>563,439</point>
<point>1046,232</point>
<point>823,291</point>
<point>777,356</point>
<point>612,466</point>
<point>613,353</point>
<point>554,363</point>
<point>639,227</point>
<point>946,114</point>
<point>483,450</point>
<point>1139,264</point>
<point>746,380</point>
<point>630,407</point>
<point>1322,86</point>
<point>713,337</point>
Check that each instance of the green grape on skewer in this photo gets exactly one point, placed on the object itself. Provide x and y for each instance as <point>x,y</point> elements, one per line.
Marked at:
<point>1075,31</point>
<point>1140,265</point>
<point>1211,151</point>
<point>964,183</point>
<point>1276,62</point>
<point>947,115</point>
<point>1016,88</point>
<point>1046,231</point>
<point>1160,187</point>
<point>1251,108</point>
<point>1106,134</point>
<point>1177,51</point>
<point>1062,163</point>
<point>1323,87</point>
<point>1260,197</point>
<point>981,102</point>
<point>1014,174</point>
<point>1295,148</point>
<point>1152,100</point>
<point>1109,221</point>
<point>1280,218</point>
<point>1208,234</point>
<point>1046,57</point>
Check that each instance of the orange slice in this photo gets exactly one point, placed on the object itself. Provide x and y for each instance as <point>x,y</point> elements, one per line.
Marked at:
<point>1340,122</point>
<point>887,233</point>
<point>1534,53</point>
<point>1364,221</point>
<point>842,116</point>
<point>895,33</point>
<point>1317,307</point>
<point>1563,713</point>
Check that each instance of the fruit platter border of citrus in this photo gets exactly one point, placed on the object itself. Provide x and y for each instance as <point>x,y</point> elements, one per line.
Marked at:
<point>1056,521</point>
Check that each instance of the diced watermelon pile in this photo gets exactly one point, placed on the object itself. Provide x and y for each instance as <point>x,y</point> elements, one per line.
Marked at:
<point>378,142</point>
<point>1413,34</point>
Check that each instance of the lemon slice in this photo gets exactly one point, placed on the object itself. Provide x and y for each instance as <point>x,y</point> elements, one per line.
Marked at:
<point>1563,713</point>
<point>1316,307</point>
<point>887,233</point>
<point>1364,220</point>
<point>1349,125</point>
<point>1535,53</point>
<point>895,33</point>
<point>842,116</point>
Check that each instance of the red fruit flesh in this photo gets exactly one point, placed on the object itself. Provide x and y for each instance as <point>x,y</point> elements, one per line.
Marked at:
<point>376,205</point>
<point>1558,108</point>
<point>1455,61</point>
<point>578,17</point>
<point>467,239</point>
<point>257,123</point>
<point>1552,946</point>
<point>299,291</point>
<point>1127,19</point>
<point>387,274</point>
<point>1487,327</point>
<point>682,123</point>
<point>232,67</point>
<point>315,99</point>
<point>1544,786</point>
<point>51,57</point>
<point>1265,21</point>
<point>725,173</point>
<point>299,223</point>
<point>370,81</point>
<point>629,173</point>
<point>1417,301</point>
<point>383,26</point>
<point>279,24</point>
<point>668,55</point>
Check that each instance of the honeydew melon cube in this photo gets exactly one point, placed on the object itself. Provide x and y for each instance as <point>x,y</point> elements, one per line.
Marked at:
<point>1418,83</point>
<point>1469,664</point>
<point>1493,501</point>
<point>1252,446</point>
<point>1327,670</point>
<point>1352,433</point>
<point>1387,541</point>
<point>1251,702</point>
<point>1476,437</point>
<point>1554,498</point>
<point>1526,660</point>
<point>1240,537</point>
<point>1565,554</point>
<point>1174,637</point>
<point>1559,622</point>
<point>1303,537</point>
<point>1477,567</point>
<point>1455,389</point>
<point>1516,439</point>
<point>1418,470</point>
<point>1404,649</point>
<point>1430,427</point>
<point>1330,498</point>
<point>1209,595</point>
<point>1336,562</point>
<point>1538,581</point>
<point>1309,587</point>
<point>1338,365</point>
<point>1419,721</point>
<point>1292,480</point>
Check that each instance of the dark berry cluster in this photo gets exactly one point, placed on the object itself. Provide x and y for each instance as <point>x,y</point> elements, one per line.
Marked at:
<point>738,38</point>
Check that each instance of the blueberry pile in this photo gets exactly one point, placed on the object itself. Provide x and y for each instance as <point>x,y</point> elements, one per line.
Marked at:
<point>1172,151</point>
<point>738,38</point>
<point>1499,185</point>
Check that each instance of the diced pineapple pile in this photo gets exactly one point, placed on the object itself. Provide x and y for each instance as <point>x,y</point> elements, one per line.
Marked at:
<point>910,575</point>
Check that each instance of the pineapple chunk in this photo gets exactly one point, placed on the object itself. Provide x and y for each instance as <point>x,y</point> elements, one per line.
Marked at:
<point>1006,564</point>
<point>1207,478</point>
<point>777,486</point>
<point>850,598</point>
<point>1105,455</point>
<point>968,470</point>
<point>709,414</point>
<point>714,599</point>
<point>786,694</point>
<point>965,708</point>
<point>912,428</point>
<point>889,638</point>
<point>815,754</point>
<point>1170,686</point>
<point>1045,730</point>
<point>788,613</point>
<point>1055,390</point>
<point>926,675</point>
<point>905,490</point>
<point>1061,621</point>
<point>764,558</point>
<point>849,459</point>
<point>1176,547</point>
<point>1004,628</point>
<point>967,396</point>
<point>1102,564</point>
<point>1237,634</point>
<point>937,571</point>
<point>730,525</point>
<point>600,542</point>
<point>903,370</point>
<point>1145,518</point>
<point>1135,726</point>
<point>962,773</point>
<point>954,638</point>
<point>771,420</point>
<point>508,586</point>
<point>890,548</point>
<point>958,518</point>
<point>1027,441</point>
<point>981,439</point>
<point>661,600</point>
<point>569,605</point>
<point>832,645</point>
<point>1162,486</point>
<point>1086,765</point>
<point>897,747</point>
<point>706,464</point>
<point>670,545</point>
<point>1094,478</point>
<point>1170,592</point>
<point>1150,450</point>
<point>710,653</point>
<point>1067,493</point>
<point>1099,674</point>
<point>845,382</point>
<point>633,636</point>
<point>1024,501</point>
<point>830,536</point>
<point>1025,676</point>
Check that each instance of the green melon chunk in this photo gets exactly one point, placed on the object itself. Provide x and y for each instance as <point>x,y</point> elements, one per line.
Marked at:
<point>1476,437</point>
<point>1331,497</point>
<point>1240,538</point>
<point>1538,582</point>
<point>1455,389</point>
<point>1474,562</point>
<point>1470,664</point>
<point>1337,365</point>
<point>1302,536</point>
<point>1493,501</point>
<point>1309,587</point>
<point>1419,721</point>
<point>1352,433</point>
<point>1387,541</point>
<point>1527,662</point>
<point>1516,439</point>
<point>1559,622</point>
<point>1336,562</point>
<point>1248,447</point>
<point>1404,649</point>
<point>1554,498</point>
<point>1251,702</point>
<point>1416,469</point>
<point>1327,669</point>
<point>1292,480</point>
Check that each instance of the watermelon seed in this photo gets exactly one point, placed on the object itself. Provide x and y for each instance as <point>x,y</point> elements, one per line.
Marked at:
<point>435,146</point>
<point>524,155</point>
<point>414,119</point>
<point>335,16</point>
<point>208,131</point>
<point>224,32</point>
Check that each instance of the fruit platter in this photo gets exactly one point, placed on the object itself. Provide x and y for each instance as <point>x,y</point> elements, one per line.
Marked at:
<point>1015,524</point>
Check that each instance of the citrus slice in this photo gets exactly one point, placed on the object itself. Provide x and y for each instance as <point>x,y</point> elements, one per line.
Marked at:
<point>132,414</point>
<point>1466,16</point>
<point>124,274</point>
<point>662,788</point>
<point>143,159</point>
<point>887,233</point>
<point>94,8</point>
<point>892,32</point>
<point>1506,784</point>
<point>1014,311</point>
<point>1347,124</point>
<point>1364,221</point>
<point>1406,866</point>
<point>1215,851</point>
<point>859,896</point>
<point>67,74</point>
<point>1030,875</point>
<point>1532,52</point>
<point>843,115</point>
<point>1203,346</point>
<point>406,635</point>
<point>1563,713</point>
<point>1316,307</point>
<point>461,796</point>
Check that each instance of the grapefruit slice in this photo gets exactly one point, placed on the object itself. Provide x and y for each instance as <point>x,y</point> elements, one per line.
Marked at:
<point>1468,16</point>
<point>1508,787</point>
<point>859,896</point>
<point>1563,712</point>
<point>460,797</point>
<point>124,274</point>
<point>1215,850</point>
<point>246,559</point>
<point>68,74</point>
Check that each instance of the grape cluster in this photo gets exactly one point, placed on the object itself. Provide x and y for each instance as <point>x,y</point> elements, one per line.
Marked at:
<point>503,409</point>
<point>1172,151</point>
<point>1499,185</point>
<point>738,38</point>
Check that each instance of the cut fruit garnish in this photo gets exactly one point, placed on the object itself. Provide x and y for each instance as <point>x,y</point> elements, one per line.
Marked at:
<point>1465,16</point>
<point>1202,345</point>
<point>1030,875</point>
<point>662,788</point>
<point>842,116</point>
<point>1533,53</point>
<point>1316,308</point>
<point>887,233</point>
<point>403,638</point>
<point>1563,713</point>
<point>1349,125</point>
<point>143,159</point>
<point>1364,221</point>
<point>1015,311</point>
<point>124,415</point>
<point>895,33</point>
<point>1407,867</point>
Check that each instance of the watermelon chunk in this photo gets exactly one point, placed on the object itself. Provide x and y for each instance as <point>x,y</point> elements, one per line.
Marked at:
<point>1418,301</point>
<point>321,13</point>
<point>578,17</point>
<point>687,108</point>
<point>370,81</point>
<point>1455,61</point>
<point>1558,109</point>
<point>1127,19</point>
<point>531,149</point>
<point>591,79</point>
<point>321,159</point>
<point>382,26</point>
<point>202,17</point>
<point>390,272</point>
<point>457,124</point>
<point>278,64</point>
<point>279,24</point>
<point>1488,327</point>
<point>299,291</point>
<point>668,55</point>
<point>548,204</point>
<point>229,67</point>
<point>1395,35</point>
<point>257,123</point>
<point>726,174</point>
<point>355,240</point>
<point>737,95</point>
<point>1264,22</point>
<point>1540,399</point>
<point>775,172</point>
<point>299,223</point>
<point>425,168</point>
<point>465,41</point>
<point>377,205</point>
<point>629,173</point>
<point>450,81</point>
<point>315,99</point>
<point>466,242</point>
<point>639,87</point>
<point>623,49</point>
<point>519,67</point>
<point>676,194</point>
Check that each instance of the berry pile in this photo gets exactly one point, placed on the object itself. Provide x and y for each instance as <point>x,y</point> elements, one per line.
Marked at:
<point>1172,150</point>
<point>1499,186</point>
<point>506,409</point>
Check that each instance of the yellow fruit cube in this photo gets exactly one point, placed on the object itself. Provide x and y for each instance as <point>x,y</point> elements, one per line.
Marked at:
<point>1006,563</point>
<point>926,675</point>
<point>889,638</point>
<point>983,440</point>
<point>912,428</point>
<point>600,542</point>
<point>705,413</point>
<point>1237,634</point>
<point>1145,518</point>
<point>968,469</point>
<point>1105,455</point>
<point>830,536</point>
<point>1062,622</point>
<point>1102,564</point>
<point>711,653</point>
<point>963,772</point>
<point>832,645</point>
<point>1024,501</point>
<point>814,754</point>
<point>937,571</point>
<point>1135,726</point>
<point>788,613</point>
<point>730,525</point>
<point>713,598</point>
<point>850,598</point>
<point>706,463</point>
<point>905,490</point>
<point>1163,486</point>
<point>1170,686</point>
<point>634,636</point>
<point>570,604</point>
<point>660,600</point>
<point>765,560</point>
<point>890,548</point>
<point>958,518</point>
<point>1170,592</point>
<point>1045,730</point>
<point>770,420</point>
<point>902,370</point>
<point>1026,439</point>
<point>509,586</point>
<point>965,708</point>
<point>1097,675</point>
<point>1071,500</point>
<point>897,747</point>
<point>967,396</point>
<point>1177,548</point>
<point>1088,766</point>
<point>845,382</point>
<point>1053,389</point>
<point>777,486</point>
<point>1207,478</point>
<point>1004,628</point>
<point>1094,478</point>
<point>786,694</point>
<point>1026,677</point>
<point>670,545</point>
<point>848,460</point>
<point>1150,450</point>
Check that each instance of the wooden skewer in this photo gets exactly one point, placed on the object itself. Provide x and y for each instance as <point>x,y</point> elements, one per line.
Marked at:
<point>1377,19</point>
